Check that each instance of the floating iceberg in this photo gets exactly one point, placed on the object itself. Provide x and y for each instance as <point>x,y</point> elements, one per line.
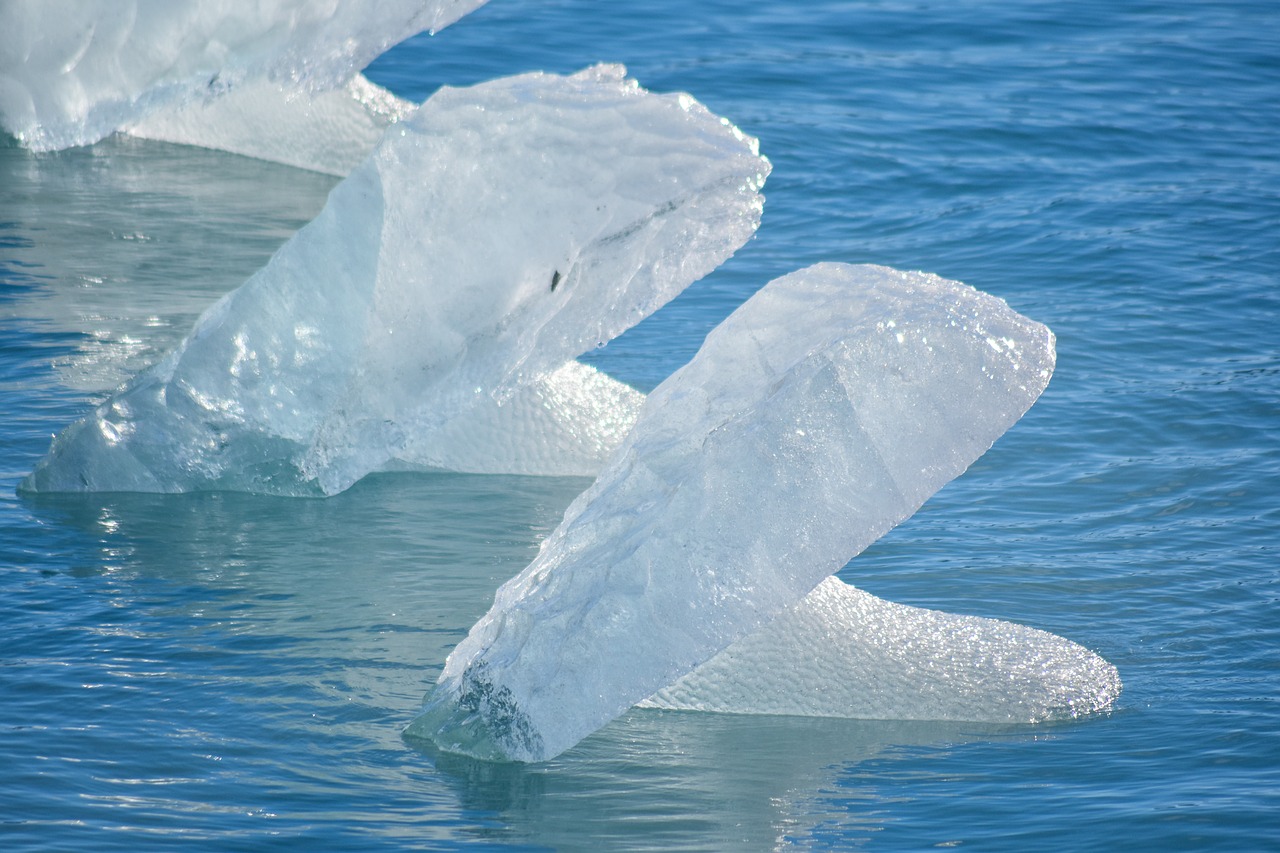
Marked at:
<point>74,72</point>
<point>824,411</point>
<point>430,315</point>
<point>429,318</point>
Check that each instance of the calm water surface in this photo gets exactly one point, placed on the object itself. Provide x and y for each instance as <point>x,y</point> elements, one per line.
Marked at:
<point>234,672</point>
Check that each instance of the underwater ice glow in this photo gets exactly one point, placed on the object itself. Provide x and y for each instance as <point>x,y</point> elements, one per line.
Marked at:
<point>843,652</point>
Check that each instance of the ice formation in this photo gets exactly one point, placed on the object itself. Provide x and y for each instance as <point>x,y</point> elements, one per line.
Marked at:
<point>842,652</point>
<point>825,410</point>
<point>74,71</point>
<point>330,131</point>
<point>428,317</point>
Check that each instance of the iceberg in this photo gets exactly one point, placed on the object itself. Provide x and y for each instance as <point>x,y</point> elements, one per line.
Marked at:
<point>821,413</point>
<point>75,71</point>
<point>430,316</point>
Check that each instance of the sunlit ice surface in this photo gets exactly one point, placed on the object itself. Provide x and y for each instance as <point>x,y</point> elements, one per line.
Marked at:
<point>255,78</point>
<point>820,414</point>
<point>390,332</point>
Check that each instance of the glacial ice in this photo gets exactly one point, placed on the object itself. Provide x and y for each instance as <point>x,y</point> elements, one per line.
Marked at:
<point>429,316</point>
<point>74,71</point>
<point>330,131</point>
<point>842,652</point>
<point>814,421</point>
<point>821,413</point>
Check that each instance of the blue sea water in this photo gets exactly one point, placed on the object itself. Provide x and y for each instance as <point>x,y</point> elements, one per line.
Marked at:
<point>224,671</point>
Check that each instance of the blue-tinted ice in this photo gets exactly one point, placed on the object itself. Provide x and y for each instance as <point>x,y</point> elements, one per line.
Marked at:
<point>824,411</point>
<point>430,315</point>
<point>277,80</point>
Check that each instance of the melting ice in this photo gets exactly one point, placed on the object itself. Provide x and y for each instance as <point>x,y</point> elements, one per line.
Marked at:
<point>428,317</point>
<point>392,332</point>
<point>277,80</point>
<point>825,410</point>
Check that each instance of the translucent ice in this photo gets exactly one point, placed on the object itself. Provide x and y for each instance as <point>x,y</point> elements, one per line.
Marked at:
<point>330,131</point>
<point>825,410</point>
<point>842,652</point>
<point>428,317</point>
<point>74,71</point>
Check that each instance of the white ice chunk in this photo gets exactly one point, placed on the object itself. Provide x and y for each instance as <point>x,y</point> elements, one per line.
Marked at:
<point>493,236</point>
<point>822,412</point>
<point>842,652</point>
<point>74,71</point>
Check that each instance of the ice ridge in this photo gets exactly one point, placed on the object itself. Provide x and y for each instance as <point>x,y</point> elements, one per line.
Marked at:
<point>430,315</point>
<point>821,413</point>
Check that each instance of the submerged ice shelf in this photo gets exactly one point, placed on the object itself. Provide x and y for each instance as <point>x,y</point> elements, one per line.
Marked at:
<point>824,411</point>
<point>843,652</point>
<point>330,131</point>
<point>394,332</point>
<point>252,77</point>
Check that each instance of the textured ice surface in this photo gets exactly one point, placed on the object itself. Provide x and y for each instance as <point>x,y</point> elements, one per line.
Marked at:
<point>842,652</point>
<point>427,316</point>
<point>74,71</point>
<point>821,413</point>
<point>330,131</point>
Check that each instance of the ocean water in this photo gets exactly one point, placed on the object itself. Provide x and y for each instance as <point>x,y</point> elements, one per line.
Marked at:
<point>227,671</point>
